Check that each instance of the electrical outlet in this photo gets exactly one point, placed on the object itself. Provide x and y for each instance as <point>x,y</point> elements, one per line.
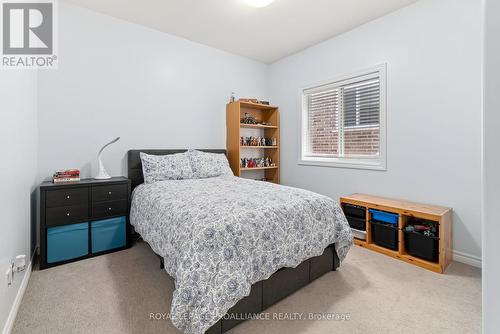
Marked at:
<point>9,275</point>
<point>19,263</point>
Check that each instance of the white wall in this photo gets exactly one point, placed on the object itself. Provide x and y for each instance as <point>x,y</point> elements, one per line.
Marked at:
<point>491,165</point>
<point>433,55</point>
<point>120,79</point>
<point>18,135</point>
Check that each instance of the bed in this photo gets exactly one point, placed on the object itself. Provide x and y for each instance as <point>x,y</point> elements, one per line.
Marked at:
<point>234,246</point>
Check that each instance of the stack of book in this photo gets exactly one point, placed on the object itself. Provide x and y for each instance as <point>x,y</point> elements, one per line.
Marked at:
<point>69,175</point>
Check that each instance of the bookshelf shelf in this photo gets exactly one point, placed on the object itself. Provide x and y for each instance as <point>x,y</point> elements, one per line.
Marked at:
<point>256,105</point>
<point>235,111</point>
<point>258,168</point>
<point>258,126</point>
<point>261,147</point>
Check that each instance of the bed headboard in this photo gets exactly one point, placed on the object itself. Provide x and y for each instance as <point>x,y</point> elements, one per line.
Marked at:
<point>135,165</point>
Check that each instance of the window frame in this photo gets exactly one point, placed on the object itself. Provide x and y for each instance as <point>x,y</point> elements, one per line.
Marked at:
<point>379,163</point>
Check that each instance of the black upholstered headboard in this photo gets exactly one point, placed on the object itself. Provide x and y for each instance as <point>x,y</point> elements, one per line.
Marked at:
<point>135,165</point>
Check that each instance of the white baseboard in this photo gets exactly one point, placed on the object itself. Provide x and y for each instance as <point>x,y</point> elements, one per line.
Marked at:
<point>17,302</point>
<point>467,259</point>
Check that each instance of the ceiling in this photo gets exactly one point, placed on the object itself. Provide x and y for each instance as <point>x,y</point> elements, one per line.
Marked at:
<point>263,34</point>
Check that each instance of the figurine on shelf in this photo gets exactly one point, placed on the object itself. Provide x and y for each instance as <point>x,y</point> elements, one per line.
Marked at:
<point>248,119</point>
<point>257,162</point>
<point>262,141</point>
<point>232,98</point>
<point>249,100</point>
<point>274,142</point>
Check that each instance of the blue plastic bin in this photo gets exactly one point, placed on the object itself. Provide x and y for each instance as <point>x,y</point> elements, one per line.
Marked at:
<point>385,217</point>
<point>67,242</point>
<point>108,234</point>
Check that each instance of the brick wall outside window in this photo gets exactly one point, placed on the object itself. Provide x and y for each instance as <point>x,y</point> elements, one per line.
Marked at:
<point>362,141</point>
<point>323,131</point>
<point>323,135</point>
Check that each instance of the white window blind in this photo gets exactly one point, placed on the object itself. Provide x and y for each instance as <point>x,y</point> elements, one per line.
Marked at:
<point>343,121</point>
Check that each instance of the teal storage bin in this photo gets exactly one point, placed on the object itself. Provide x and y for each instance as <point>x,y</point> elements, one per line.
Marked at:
<point>108,234</point>
<point>67,242</point>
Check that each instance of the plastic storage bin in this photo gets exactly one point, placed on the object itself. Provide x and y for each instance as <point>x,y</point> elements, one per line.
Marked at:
<point>357,223</point>
<point>359,234</point>
<point>422,246</point>
<point>67,242</point>
<point>354,210</point>
<point>356,216</point>
<point>385,235</point>
<point>386,217</point>
<point>108,234</point>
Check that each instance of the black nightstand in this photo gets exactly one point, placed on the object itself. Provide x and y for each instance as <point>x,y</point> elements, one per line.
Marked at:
<point>83,219</point>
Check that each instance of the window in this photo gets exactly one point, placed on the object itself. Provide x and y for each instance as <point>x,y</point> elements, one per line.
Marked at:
<point>343,122</point>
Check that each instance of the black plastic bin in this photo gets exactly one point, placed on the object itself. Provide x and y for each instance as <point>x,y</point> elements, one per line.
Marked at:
<point>357,223</point>
<point>354,211</point>
<point>356,216</point>
<point>422,246</point>
<point>385,235</point>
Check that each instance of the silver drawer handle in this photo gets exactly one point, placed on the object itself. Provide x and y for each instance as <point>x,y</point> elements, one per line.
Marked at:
<point>67,197</point>
<point>67,214</point>
<point>109,193</point>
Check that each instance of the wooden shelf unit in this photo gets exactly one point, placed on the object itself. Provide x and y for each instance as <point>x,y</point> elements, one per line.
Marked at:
<point>405,209</point>
<point>262,113</point>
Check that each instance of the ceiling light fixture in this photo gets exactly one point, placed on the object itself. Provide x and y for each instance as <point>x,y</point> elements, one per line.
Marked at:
<point>259,3</point>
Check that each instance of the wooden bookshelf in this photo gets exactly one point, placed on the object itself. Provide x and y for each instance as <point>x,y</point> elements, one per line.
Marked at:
<point>442,216</point>
<point>235,111</point>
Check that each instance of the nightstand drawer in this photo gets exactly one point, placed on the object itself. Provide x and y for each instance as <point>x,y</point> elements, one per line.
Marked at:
<point>67,215</point>
<point>109,193</point>
<point>109,209</point>
<point>67,196</point>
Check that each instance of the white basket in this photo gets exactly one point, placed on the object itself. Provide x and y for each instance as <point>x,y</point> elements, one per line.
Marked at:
<point>359,234</point>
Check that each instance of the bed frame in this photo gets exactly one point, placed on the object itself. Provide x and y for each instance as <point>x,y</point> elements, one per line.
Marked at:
<point>265,293</point>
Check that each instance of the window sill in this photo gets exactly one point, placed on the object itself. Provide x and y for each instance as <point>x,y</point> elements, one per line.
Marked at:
<point>345,163</point>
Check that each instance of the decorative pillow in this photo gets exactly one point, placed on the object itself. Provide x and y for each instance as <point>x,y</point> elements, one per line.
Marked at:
<point>165,167</point>
<point>209,164</point>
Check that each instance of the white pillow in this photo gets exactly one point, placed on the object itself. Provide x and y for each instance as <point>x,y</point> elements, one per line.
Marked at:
<point>165,167</point>
<point>209,164</point>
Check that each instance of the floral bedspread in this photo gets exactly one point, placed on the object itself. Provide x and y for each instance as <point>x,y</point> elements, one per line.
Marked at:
<point>220,235</point>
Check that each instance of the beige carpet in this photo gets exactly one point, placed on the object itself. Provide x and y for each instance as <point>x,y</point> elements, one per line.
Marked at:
<point>116,293</point>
